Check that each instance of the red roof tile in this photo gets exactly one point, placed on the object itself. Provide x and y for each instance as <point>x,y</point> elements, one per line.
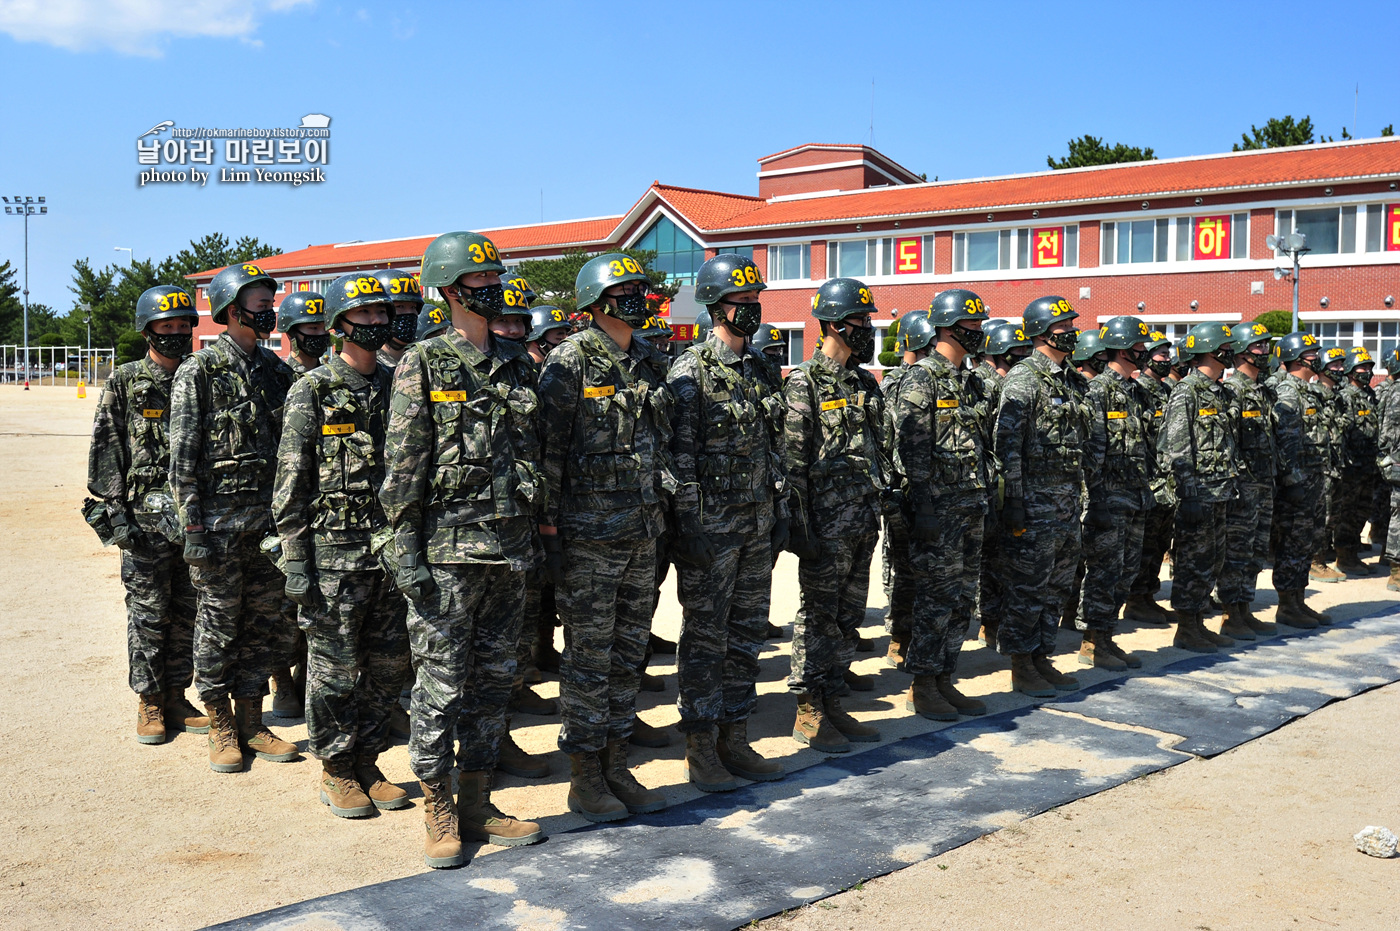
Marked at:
<point>707,209</point>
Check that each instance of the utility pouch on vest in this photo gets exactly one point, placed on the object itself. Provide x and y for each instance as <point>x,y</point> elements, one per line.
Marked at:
<point>95,513</point>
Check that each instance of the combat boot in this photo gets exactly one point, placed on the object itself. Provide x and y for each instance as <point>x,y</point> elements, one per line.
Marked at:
<point>644,735</point>
<point>740,758</point>
<point>864,644</point>
<point>384,794</point>
<point>1321,572</point>
<point>1234,625</point>
<point>849,727</point>
<point>517,762</point>
<point>703,767</point>
<point>588,793</point>
<point>1104,643</point>
<point>1049,673</point>
<point>287,701</point>
<point>480,820</point>
<point>1091,654</point>
<point>1291,612</point>
<point>180,715</point>
<point>254,735</point>
<point>1191,634</point>
<point>1350,563</point>
<point>950,693</point>
<point>399,726</point>
<point>443,848</point>
<point>1144,609</point>
<point>926,701</point>
<point>1026,678</point>
<point>774,632</point>
<point>623,785</point>
<point>342,792</point>
<point>815,730</point>
<point>150,719</point>
<point>660,646</point>
<point>894,656</point>
<point>857,682</point>
<point>527,702</point>
<point>1322,618</point>
<point>224,755</point>
<point>1260,628</point>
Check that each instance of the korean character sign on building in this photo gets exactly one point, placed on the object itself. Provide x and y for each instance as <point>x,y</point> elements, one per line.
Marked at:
<point>1211,239</point>
<point>1049,247</point>
<point>1392,228</point>
<point>908,256</point>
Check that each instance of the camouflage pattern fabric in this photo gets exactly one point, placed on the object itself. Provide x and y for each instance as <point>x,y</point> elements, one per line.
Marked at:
<point>1198,559</point>
<point>240,604</point>
<point>1157,525</point>
<point>1358,425</point>
<point>946,572</point>
<point>1300,439</point>
<point>294,364</point>
<point>160,616</point>
<point>606,603</point>
<point>1196,446</point>
<point>1249,521</point>
<point>357,661</point>
<point>463,637</point>
<point>1388,455</point>
<point>835,589</point>
<point>895,570</point>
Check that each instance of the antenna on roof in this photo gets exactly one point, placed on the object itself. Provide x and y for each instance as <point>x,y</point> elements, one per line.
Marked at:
<point>872,113</point>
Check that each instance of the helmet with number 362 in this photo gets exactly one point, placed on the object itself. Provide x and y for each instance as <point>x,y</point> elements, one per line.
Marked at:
<point>518,290</point>
<point>724,274</point>
<point>356,289</point>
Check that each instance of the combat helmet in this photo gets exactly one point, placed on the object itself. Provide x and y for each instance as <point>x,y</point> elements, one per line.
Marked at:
<point>225,287</point>
<point>163,302</point>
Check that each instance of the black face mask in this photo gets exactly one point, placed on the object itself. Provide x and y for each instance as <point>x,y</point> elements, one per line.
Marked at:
<point>1225,356</point>
<point>312,345</point>
<point>747,317</point>
<point>371,336</point>
<point>1064,342</point>
<point>1018,355</point>
<point>1314,364</point>
<point>489,300</point>
<point>1160,369</point>
<point>1094,364</point>
<point>1259,360</point>
<point>171,345</point>
<point>260,320</point>
<point>631,309</point>
<point>861,341</point>
<point>1138,357</point>
<point>403,328</point>
<point>1360,379</point>
<point>970,340</point>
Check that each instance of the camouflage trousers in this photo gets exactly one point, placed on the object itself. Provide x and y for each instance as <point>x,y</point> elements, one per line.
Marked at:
<point>1198,557</point>
<point>1156,541</point>
<point>1392,538</point>
<point>991,589</point>
<point>1299,530</point>
<point>464,637</point>
<point>606,602</point>
<point>724,624</point>
<point>541,617</point>
<point>898,576</point>
<point>835,588</point>
<point>240,607</point>
<point>1380,513</point>
<point>1351,506</point>
<point>1325,550</point>
<point>357,661</point>
<point>945,577</point>
<point>1248,521</point>
<point>288,641</point>
<point>160,616</point>
<point>1040,567</point>
<point>1112,559</point>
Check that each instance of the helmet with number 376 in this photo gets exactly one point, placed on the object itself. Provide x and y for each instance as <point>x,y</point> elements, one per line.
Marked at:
<point>163,302</point>
<point>725,274</point>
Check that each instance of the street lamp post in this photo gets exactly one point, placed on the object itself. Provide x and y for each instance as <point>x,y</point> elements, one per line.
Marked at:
<point>1292,245</point>
<point>25,206</point>
<point>87,319</point>
<point>130,254</point>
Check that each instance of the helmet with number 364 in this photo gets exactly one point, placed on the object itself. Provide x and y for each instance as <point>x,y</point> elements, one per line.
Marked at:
<point>725,274</point>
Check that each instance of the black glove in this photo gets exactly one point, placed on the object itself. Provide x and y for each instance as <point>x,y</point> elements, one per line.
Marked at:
<point>1099,516</point>
<point>924,527</point>
<point>553,558</point>
<point>782,529</point>
<point>414,579</point>
<point>196,553</point>
<point>1296,495</point>
<point>891,500</point>
<point>694,549</point>
<point>300,587</point>
<point>802,544</point>
<point>1191,512</point>
<point>122,533</point>
<point>1013,514</point>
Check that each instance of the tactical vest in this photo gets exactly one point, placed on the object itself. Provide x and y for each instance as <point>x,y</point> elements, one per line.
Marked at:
<point>477,476</point>
<point>1128,448</point>
<point>732,460</point>
<point>1210,441</point>
<point>956,449</point>
<point>1154,394</point>
<point>1061,427</point>
<point>351,462</point>
<point>1255,428</point>
<point>843,469</point>
<point>1319,424</point>
<point>1362,428</point>
<point>242,423</point>
<point>148,435</point>
<point>1312,445</point>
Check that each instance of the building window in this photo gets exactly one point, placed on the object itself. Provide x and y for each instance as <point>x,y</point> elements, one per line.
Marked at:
<point>864,258</point>
<point>790,262</point>
<point>745,251</point>
<point>854,258</point>
<point>272,342</point>
<point>1375,223</point>
<point>1378,336</point>
<point>679,256</point>
<point>1028,247</point>
<point>1333,230</point>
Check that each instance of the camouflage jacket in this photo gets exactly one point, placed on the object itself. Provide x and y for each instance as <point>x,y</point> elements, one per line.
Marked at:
<point>835,455</point>
<point>1120,446</point>
<point>1252,410</point>
<point>607,438</point>
<point>1383,392</point>
<point>728,441</point>
<point>130,453</point>
<point>1358,425</point>
<point>330,465</point>
<point>1154,393</point>
<point>297,368</point>
<point>891,383</point>
<point>225,422</point>
<point>1327,424</point>
<point>940,436</point>
<point>388,361</point>
<point>461,454</point>
<point>1299,434</point>
<point>1197,444</point>
<point>1042,426</point>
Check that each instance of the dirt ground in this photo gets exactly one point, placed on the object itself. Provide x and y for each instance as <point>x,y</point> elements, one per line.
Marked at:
<point>100,830</point>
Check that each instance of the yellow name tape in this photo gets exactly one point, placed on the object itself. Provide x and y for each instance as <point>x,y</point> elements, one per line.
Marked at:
<point>153,413</point>
<point>337,429</point>
<point>602,391</point>
<point>834,405</point>
<point>1207,412</point>
<point>447,395</point>
<point>1116,415</point>
<point>1362,413</point>
<point>947,402</point>
<point>1310,411</point>
<point>1251,413</point>
<point>1157,414</point>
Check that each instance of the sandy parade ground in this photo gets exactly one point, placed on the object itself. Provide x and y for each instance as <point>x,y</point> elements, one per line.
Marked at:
<point>101,831</point>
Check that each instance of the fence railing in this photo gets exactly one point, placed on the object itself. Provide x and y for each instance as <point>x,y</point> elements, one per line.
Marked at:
<point>56,365</point>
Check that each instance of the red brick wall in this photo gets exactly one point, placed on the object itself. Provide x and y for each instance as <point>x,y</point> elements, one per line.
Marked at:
<point>831,179</point>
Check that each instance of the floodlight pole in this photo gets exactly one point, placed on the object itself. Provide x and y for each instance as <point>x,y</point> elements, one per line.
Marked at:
<point>1295,292</point>
<point>22,206</point>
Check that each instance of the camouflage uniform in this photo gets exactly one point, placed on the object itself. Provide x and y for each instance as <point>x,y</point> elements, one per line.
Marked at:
<point>129,459</point>
<point>1388,463</point>
<point>1325,399</point>
<point>991,592</point>
<point>1358,425</point>
<point>1380,508</point>
<point>939,449</point>
<point>462,487</point>
<point>1301,436</point>
<point>727,453</point>
<point>1041,430</point>
<point>1157,526</point>
<point>607,468</point>
<point>896,572</point>
<point>1117,455</point>
<point>1249,516</point>
<point>226,417</point>
<point>330,465</point>
<point>833,433</point>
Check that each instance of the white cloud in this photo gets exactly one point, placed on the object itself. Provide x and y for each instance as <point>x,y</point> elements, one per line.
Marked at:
<point>133,27</point>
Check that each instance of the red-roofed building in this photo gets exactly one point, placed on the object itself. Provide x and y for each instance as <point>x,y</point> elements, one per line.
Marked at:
<point>1176,241</point>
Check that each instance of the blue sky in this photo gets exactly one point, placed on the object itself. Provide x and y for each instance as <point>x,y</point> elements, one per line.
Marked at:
<point>457,115</point>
